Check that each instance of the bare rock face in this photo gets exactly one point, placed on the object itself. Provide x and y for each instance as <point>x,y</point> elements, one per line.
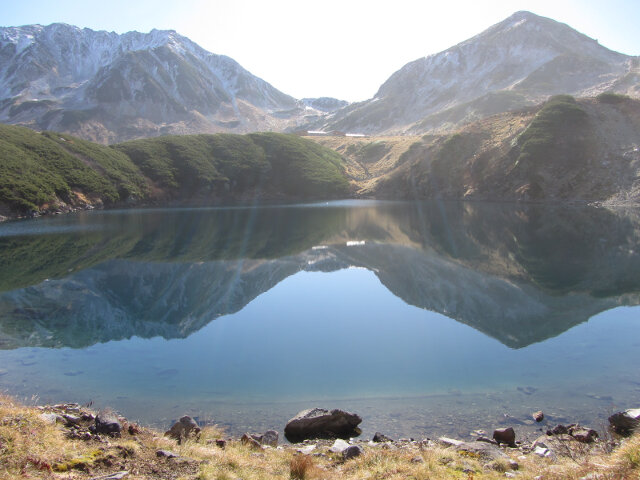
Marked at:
<point>321,423</point>
<point>624,423</point>
<point>183,428</point>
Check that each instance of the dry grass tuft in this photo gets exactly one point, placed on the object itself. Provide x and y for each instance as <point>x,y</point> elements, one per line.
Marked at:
<point>301,467</point>
<point>626,459</point>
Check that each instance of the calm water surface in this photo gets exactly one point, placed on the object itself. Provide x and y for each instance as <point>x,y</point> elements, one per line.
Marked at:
<point>425,318</point>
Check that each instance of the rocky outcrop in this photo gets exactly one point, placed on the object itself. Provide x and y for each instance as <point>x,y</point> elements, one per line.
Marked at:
<point>183,428</point>
<point>625,423</point>
<point>517,62</point>
<point>108,423</point>
<point>105,87</point>
<point>321,423</point>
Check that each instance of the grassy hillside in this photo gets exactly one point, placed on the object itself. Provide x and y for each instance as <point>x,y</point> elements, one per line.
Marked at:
<point>50,171</point>
<point>42,170</point>
<point>584,150</point>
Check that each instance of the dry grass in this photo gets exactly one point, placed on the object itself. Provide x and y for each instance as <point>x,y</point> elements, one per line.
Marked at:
<point>31,448</point>
<point>302,467</point>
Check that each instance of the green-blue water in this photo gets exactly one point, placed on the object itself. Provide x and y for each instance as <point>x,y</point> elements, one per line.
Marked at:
<point>425,318</point>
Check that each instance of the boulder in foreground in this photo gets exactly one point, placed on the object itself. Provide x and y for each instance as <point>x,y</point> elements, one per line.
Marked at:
<point>624,423</point>
<point>321,423</point>
<point>183,428</point>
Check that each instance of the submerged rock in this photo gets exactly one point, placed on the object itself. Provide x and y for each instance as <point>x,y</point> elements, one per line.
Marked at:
<point>319,423</point>
<point>538,416</point>
<point>624,423</point>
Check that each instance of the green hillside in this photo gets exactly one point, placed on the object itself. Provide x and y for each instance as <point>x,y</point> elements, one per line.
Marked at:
<point>50,171</point>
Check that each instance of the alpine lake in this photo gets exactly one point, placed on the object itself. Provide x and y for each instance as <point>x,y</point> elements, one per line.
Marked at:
<point>426,319</point>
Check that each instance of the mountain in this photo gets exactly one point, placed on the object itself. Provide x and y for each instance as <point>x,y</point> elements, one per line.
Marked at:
<point>564,151</point>
<point>108,87</point>
<point>518,62</point>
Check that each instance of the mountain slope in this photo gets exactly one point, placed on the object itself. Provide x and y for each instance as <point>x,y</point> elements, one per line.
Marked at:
<point>51,171</point>
<point>566,150</point>
<point>108,87</point>
<point>517,62</point>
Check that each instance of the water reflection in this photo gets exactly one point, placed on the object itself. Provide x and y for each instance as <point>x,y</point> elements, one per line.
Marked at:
<point>520,274</point>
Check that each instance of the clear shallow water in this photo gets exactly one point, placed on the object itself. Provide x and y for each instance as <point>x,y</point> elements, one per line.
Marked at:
<point>424,318</point>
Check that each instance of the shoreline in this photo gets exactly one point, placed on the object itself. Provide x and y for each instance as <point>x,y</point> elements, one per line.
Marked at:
<point>10,215</point>
<point>75,440</point>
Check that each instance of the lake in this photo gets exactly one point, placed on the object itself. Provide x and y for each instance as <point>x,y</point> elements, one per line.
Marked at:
<point>425,318</point>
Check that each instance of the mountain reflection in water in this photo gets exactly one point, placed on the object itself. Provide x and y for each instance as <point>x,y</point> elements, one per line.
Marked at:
<point>518,273</point>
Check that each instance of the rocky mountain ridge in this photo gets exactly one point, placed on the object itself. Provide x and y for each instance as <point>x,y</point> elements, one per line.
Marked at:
<point>108,87</point>
<point>518,62</point>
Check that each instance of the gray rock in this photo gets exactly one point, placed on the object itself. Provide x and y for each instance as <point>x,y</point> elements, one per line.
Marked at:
<point>108,423</point>
<point>319,423</point>
<point>183,428</point>
<point>50,418</point>
<point>339,446</point>
<point>248,439</point>
<point>270,437</point>
<point>307,450</point>
<point>487,440</point>
<point>113,476</point>
<point>542,451</point>
<point>483,450</point>
<point>352,451</point>
<point>559,430</point>
<point>505,435</point>
<point>380,438</point>
<point>624,423</point>
<point>450,442</point>
<point>500,466</point>
<point>166,454</point>
<point>582,434</point>
<point>72,419</point>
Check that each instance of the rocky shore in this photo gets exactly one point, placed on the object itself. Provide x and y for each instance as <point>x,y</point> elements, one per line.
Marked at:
<point>70,441</point>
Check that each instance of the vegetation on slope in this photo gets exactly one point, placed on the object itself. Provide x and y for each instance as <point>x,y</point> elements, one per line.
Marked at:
<point>560,120</point>
<point>582,150</point>
<point>49,170</point>
<point>35,171</point>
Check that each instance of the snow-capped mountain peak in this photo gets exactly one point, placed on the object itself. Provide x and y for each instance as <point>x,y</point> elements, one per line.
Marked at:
<point>131,85</point>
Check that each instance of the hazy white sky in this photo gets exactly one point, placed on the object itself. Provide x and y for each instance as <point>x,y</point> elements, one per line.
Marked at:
<point>338,48</point>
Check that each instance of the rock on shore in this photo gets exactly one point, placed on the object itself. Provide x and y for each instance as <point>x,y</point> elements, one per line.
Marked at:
<point>321,423</point>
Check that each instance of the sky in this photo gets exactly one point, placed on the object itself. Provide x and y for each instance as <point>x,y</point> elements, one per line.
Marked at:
<point>336,48</point>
